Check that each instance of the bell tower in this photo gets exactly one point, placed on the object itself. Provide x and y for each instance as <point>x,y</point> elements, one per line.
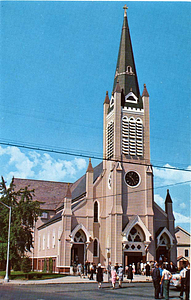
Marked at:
<point>126,143</point>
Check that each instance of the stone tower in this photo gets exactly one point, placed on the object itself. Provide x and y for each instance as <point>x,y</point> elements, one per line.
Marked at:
<point>126,159</point>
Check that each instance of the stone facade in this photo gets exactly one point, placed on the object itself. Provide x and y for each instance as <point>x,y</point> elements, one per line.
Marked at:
<point>109,213</point>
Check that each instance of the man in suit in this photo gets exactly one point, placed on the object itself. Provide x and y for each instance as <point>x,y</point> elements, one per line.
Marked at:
<point>156,280</point>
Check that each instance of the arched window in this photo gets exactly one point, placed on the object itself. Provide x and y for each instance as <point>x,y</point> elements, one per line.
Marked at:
<point>80,237</point>
<point>136,235</point>
<point>96,250</point>
<point>95,211</point>
<point>129,69</point>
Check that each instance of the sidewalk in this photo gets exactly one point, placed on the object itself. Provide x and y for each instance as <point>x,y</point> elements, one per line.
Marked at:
<point>71,279</point>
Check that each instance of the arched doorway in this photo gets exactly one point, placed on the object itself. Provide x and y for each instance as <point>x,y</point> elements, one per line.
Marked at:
<point>78,251</point>
<point>162,253</point>
<point>134,248</point>
<point>165,242</point>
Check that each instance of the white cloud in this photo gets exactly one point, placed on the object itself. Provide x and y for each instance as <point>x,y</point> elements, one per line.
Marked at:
<point>80,163</point>
<point>159,200</point>
<point>179,218</point>
<point>18,161</point>
<point>172,176</point>
<point>182,205</point>
<point>39,166</point>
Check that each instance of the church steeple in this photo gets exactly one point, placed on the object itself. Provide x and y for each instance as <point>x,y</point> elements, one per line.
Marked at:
<point>125,69</point>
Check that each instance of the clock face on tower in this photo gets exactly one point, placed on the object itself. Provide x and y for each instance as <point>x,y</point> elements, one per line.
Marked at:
<point>132,178</point>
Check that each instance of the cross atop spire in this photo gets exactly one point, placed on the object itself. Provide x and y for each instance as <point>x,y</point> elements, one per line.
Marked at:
<point>125,8</point>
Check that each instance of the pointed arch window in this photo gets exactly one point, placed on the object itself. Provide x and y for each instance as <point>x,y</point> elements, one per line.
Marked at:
<point>96,212</point>
<point>96,248</point>
<point>80,237</point>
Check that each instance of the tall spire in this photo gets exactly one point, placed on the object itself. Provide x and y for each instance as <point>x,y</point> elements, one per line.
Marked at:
<point>125,69</point>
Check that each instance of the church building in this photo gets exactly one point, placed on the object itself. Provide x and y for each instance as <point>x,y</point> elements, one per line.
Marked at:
<point>108,214</point>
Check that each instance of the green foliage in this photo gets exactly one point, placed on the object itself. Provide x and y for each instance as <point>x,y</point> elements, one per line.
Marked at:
<point>45,266</point>
<point>25,212</point>
<point>17,266</point>
<point>50,265</point>
<point>26,265</point>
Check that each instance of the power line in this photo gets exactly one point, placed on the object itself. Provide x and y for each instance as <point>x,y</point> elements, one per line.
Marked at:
<point>68,152</point>
<point>129,192</point>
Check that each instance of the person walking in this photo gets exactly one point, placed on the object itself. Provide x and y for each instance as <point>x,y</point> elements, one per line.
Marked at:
<point>182,280</point>
<point>120,275</point>
<point>148,273</point>
<point>79,269</point>
<point>113,276</point>
<point>91,271</point>
<point>130,273</point>
<point>109,270</point>
<point>99,275</point>
<point>187,282</point>
<point>156,280</point>
<point>166,276</point>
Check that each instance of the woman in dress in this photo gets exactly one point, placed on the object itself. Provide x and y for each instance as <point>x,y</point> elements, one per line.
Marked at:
<point>130,273</point>
<point>99,275</point>
<point>113,276</point>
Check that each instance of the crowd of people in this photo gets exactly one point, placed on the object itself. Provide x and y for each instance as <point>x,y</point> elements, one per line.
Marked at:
<point>161,273</point>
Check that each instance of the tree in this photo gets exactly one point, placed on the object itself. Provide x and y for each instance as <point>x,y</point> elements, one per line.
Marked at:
<point>26,265</point>
<point>25,212</point>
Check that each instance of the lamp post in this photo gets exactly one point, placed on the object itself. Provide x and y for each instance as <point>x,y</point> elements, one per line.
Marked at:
<point>6,279</point>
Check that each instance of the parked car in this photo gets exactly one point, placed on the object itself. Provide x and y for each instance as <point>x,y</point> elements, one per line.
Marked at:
<point>175,281</point>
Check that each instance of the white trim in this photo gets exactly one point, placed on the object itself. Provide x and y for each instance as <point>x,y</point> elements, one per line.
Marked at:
<point>165,230</point>
<point>136,221</point>
<point>131,94</point>
<point>76,229</point>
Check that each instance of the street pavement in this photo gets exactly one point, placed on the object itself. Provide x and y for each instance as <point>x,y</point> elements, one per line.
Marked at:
<point>86,290</point>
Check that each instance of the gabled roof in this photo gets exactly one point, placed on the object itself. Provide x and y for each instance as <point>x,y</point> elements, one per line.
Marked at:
<point>178,228</point>
<point>182,258</point>
<point>50,192</point>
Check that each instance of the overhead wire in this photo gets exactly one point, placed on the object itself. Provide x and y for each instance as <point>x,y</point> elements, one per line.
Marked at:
<point>70,153</point>
<point>129,192</point>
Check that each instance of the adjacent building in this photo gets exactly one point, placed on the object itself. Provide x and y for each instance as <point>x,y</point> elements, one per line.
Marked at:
<point>109,213</point>
<point>183,246</point>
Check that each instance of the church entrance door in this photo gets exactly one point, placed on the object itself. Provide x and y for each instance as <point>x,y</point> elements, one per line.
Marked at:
<point>132,257</point>
<point>162,254</point>
<point>77,254</point>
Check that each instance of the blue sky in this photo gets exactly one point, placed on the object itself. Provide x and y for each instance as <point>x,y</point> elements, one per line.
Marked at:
<point>57,61</point>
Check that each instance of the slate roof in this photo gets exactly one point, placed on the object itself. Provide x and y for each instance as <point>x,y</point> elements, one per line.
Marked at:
<point>53,193</point>
<point>50,192</point>
<point>168,198</point>
<point>127,80</point>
